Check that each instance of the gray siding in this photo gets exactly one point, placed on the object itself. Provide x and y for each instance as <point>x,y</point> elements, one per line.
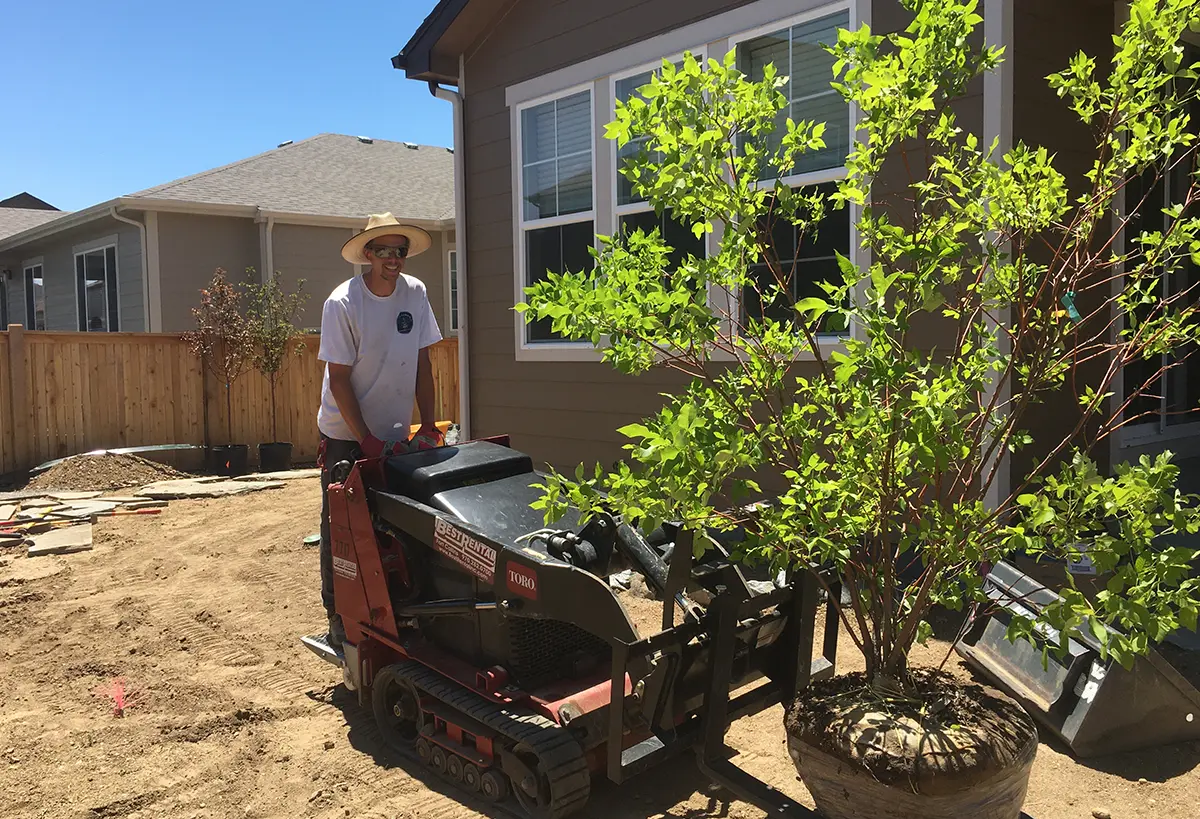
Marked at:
<point>190,249</point>
<point>58,270</point>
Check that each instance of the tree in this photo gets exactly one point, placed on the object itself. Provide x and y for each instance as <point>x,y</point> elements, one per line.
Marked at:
<point>885,448</point>
<point>222,338</point>
<point>271,317</point>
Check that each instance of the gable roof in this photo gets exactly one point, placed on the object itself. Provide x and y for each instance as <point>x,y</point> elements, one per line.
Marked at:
<point>413,59</point>
<point>328,175</point>
<point>27,201</point>
<point>17,220</point>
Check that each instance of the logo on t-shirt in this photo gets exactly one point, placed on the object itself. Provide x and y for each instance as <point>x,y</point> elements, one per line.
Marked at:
<point>404,322</point>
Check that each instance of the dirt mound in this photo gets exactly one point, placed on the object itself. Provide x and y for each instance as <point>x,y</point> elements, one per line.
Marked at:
<point>108,471</point>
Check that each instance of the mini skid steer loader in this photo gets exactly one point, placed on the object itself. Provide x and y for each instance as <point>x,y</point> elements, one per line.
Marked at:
<point>494,650</point>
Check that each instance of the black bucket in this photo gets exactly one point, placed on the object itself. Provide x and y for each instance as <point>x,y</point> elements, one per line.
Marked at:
<point>230,460</point>
<point>275,457</point>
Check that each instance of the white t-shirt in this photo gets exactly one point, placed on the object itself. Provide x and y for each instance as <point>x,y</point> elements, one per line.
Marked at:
<point>380,338</point>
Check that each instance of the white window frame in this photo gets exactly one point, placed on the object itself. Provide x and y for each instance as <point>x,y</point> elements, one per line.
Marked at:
<point>827,342</point>
<point>95,245</point>
<point>27,267</point>
<point>546,350</point>
<point>452,306</point>
<point>607,214</point>
<point>700,52</point>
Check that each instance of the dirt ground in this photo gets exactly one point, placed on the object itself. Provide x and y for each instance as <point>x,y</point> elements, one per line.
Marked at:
<point>200,609</point>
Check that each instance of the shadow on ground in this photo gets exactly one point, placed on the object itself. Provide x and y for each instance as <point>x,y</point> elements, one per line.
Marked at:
<point>674,790</point>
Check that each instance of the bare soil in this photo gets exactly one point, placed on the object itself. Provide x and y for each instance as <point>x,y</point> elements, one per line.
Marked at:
<point>199,610</point>
<point>111,470</point>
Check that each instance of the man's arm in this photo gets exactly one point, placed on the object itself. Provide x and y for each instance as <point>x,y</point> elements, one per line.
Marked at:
<point>347,401</point>
<point>425,394</point>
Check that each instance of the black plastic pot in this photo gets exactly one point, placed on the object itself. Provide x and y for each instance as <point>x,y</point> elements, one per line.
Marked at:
<point>230,460</point>
<point>276,457</point>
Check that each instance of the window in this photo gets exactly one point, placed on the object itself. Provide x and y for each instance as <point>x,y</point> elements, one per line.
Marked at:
<point>96,289</point>
<point>634,212</point>
<point>797,52</point>
<point>1171,400</point>
<point>35,297</point>
<point>557,217</point>
<point>803,261</point>
<point>452,267</point>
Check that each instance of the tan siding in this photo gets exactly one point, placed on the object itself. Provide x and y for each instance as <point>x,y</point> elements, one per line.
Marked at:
<point>191,248</point>
<point>314,255</point>
<point>430,267</point>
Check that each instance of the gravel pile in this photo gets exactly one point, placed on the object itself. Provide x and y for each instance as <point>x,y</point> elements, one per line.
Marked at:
<point>103,472</point>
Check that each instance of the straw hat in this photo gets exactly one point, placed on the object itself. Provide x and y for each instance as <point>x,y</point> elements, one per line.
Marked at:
<point>384,224</point>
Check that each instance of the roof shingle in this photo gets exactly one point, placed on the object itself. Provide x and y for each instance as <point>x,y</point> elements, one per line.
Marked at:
<point>328,175</point>
<point>15,220</point>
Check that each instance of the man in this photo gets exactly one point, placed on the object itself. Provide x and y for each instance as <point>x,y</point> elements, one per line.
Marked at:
<point>375,333</point>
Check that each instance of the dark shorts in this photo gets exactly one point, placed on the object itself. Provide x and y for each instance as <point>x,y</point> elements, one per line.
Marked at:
<point>333,450</point>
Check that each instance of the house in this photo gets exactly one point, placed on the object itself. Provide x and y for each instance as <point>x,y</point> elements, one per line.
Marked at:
<point>136,263</point>
<point>534,82</point>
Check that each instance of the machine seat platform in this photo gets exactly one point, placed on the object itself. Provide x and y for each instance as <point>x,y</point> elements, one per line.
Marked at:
<point>319,644</point>
<point>424,474</point>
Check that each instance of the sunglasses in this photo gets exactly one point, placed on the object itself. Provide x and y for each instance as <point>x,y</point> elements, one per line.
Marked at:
<point>389,252</point>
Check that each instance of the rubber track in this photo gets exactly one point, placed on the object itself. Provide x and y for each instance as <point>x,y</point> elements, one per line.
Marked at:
<point>558,753</point>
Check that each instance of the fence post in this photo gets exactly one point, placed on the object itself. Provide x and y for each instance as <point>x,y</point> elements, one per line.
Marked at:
<point>22,410</point>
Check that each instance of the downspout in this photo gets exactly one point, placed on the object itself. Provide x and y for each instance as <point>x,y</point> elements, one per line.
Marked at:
<point>141,226</point>
<point>460,243</point>
<point>268,246</point>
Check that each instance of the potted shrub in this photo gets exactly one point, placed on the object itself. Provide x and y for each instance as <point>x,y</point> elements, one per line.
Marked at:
<point>222,341</point>
<point>272,315</point>
<point>881,405</point>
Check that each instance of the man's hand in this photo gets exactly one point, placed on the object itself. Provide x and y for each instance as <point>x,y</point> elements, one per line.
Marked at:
<point>371,447</point>
<point>427,437</point>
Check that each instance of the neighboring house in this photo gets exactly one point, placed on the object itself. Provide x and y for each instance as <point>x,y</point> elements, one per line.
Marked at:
<point>536,81</point>
<point>137,263</point>
<point>19,213</point>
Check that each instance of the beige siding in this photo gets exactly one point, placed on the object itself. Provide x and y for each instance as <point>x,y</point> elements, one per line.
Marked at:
<point>58,263</point>
<point>314,255</point>
<point>191,248</point>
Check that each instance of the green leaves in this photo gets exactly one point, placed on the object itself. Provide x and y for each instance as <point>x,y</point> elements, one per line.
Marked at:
<point>988,297</point>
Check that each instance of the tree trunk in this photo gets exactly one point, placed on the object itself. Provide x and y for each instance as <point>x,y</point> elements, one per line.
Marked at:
<point>274,411</point>
<point>229,412</point>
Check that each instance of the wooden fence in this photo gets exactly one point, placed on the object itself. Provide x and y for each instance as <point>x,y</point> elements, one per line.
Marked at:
<point>66,393</point>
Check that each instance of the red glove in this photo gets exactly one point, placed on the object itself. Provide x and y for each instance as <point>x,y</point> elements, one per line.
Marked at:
<point>427,437</point>
<point>372,447</point>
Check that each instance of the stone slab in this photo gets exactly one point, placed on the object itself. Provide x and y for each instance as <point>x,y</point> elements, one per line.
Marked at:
<point>62,541</point>
<point>7,511</point>
<point>123,499</point>
<point>289,475</point>
<point>193,488</point>
<point>85,508</point>
<point>38,502</point>
<point>74,496</point>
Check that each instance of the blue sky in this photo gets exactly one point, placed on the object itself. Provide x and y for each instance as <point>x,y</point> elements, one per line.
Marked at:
<point>105,99</point>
